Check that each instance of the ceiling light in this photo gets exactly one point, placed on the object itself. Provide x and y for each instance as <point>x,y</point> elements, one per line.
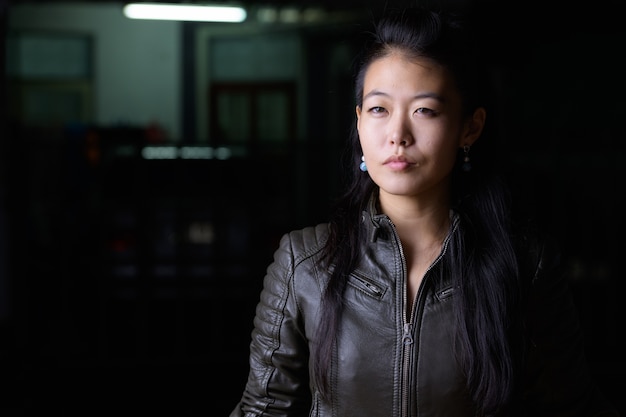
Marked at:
<point>187,12</point>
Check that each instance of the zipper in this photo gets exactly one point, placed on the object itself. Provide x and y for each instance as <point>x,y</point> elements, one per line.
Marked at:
<point>407,346</point>
<point>408,341</point>
<point>407,332</point>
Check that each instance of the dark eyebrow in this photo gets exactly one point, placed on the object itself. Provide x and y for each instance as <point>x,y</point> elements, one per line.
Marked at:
<point>416,97</point>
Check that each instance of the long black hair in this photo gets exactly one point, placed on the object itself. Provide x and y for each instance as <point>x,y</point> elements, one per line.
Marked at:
<point>481,253</point>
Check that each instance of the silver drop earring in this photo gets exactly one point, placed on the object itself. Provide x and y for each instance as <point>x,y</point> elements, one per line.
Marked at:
<point>467,166</point>
<point>362,166</point>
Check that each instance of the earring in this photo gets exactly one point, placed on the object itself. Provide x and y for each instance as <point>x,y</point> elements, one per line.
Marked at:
<point>362,166</point>
<point>467,166</point>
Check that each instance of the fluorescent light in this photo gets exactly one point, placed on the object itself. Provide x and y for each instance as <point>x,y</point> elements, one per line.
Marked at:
<point>188,12</point>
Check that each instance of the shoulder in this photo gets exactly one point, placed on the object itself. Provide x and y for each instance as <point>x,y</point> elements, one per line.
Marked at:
<point>309,236</point>
<point>296,268</point>
<point>304,243</point>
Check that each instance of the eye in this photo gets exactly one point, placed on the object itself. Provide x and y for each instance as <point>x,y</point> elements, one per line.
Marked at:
<point>426,111</point>
<point>377,110</point>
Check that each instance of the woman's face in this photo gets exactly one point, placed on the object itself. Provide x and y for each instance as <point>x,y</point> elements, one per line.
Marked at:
<point>411,126</point>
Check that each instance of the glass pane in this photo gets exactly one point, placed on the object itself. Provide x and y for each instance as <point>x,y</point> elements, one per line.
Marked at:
<point>273,116</point>
<point>233,117</point>
<point>33,56</point>
<point>50,103</point>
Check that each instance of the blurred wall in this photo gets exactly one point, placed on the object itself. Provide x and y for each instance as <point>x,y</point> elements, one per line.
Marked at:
<point>137,72</point>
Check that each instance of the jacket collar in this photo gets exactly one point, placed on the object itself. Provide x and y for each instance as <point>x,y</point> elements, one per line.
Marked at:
<point>375,221</point>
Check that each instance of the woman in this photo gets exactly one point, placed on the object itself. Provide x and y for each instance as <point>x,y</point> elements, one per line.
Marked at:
<point>422,296</point>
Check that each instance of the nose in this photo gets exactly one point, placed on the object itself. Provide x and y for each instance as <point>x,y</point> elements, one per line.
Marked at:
<point>399,132</point>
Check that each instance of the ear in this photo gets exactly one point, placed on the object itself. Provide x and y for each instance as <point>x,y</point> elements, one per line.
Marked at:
<point>358,115</point>
<point>473,127</point>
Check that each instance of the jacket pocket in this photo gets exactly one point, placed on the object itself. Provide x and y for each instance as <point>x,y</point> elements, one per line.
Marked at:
<point>445,293</point>
<point>367,286</point>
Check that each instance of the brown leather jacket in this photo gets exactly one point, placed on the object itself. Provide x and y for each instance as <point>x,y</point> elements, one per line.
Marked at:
<point>387,364</point>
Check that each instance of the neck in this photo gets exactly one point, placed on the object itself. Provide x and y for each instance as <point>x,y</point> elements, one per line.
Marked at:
<point>419,224</point>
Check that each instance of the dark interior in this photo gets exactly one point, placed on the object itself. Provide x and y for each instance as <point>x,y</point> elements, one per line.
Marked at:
<point>128,285</point>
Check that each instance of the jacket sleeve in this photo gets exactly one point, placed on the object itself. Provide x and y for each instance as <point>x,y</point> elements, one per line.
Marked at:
<point>278,380</point>
<point>558,381</point>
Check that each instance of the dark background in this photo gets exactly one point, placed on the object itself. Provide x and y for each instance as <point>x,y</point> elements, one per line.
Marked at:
<point>83,335</point>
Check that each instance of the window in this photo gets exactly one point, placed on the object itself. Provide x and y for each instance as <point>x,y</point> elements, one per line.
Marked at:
<point>248,114</point>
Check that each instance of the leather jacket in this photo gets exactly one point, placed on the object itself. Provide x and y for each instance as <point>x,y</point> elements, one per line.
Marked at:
<point>388,363</point>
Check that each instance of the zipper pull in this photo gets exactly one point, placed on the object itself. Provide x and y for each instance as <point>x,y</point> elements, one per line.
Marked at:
<point>373,288</point>
<point>407,339</point>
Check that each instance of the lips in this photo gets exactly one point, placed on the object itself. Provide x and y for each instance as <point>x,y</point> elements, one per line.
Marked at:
<point>396,159</point>
<point>399,162</point>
